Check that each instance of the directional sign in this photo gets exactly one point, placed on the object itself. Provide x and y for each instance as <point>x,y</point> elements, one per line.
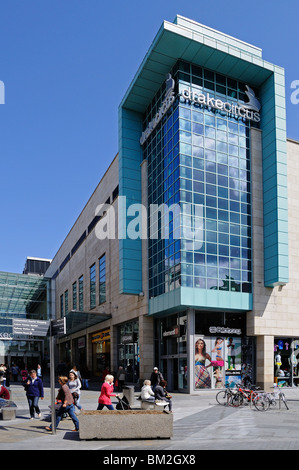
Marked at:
<point>30,327</point>
<point>6,330</point>
<point>58,327</point>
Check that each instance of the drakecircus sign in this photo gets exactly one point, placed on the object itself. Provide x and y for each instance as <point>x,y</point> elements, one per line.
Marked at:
<point>248,110</point>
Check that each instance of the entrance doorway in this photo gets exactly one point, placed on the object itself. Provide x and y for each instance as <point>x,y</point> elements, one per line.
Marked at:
<point>174,371</point>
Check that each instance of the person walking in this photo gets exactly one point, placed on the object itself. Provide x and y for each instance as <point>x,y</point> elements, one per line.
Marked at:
<point>156,378</point>
<point>107,393</point>
<point>34,391</point>
<point>67,405</point>
<point>74,385</point>
<point>121,377</point>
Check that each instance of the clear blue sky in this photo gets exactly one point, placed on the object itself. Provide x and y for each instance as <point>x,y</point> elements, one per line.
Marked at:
<point>66,65</point>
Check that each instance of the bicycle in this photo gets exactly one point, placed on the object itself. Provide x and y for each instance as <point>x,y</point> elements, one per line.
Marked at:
<point>277,395</point>
<point>247,394</point>
<point>224,396</point>
<point>265,400</point>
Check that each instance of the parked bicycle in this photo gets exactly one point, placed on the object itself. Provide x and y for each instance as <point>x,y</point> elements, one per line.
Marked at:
<point>271,399</point>
<point>244,395</point>
<point>223,397</point>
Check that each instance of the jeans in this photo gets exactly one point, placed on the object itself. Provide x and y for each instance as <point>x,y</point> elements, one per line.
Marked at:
<point>33,405</point>
<point>101,406</point>
<point>70,409</point>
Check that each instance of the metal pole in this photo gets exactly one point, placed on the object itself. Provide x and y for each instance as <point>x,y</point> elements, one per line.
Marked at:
<point>52,381</point>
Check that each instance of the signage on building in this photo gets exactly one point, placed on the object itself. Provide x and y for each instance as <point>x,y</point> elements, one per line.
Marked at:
<point>30,327</point>
<point>58,327</point>
<point>222,330</point>
<point>6,329</point>
<point>166,104</point>
<point>248,110</point>
<point>173,333</point>
<point>100,336</point>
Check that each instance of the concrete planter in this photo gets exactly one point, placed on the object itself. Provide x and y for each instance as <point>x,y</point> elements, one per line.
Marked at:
<point>9,413</point>
<point>125,424</point>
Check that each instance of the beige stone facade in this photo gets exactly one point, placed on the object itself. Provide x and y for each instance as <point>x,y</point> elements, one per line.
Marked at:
<point>122,308</point>
<point>275,310</point>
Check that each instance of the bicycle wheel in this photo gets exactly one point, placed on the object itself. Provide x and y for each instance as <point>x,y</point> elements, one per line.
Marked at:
<point>261,402</point>
<point>236,400</point>
<point>222,397</point>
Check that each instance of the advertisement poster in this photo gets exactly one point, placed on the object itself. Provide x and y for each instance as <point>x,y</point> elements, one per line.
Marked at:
<point>218,362</point>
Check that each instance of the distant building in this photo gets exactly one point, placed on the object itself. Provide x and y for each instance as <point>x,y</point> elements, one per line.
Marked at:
<point>36,265</point>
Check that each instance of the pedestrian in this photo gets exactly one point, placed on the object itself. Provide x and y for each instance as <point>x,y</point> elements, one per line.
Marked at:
<point>34,391</point>
<point>147,393</point>
<point>39,371</point>
<point>15,372</point>
<point>107,393</point>
<point>3,370</point>
<point>156,378</point>
<point>67,405</point>
<point>77,372</point>
<point>162,394</point>
<point>121,377</point>
<point>74,385</point>
<point>4,393</point>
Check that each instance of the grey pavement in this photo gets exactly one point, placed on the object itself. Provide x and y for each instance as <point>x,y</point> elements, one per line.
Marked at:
<point>199,424</point>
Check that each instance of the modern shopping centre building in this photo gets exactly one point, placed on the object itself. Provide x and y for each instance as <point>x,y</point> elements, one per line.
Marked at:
<point>186,255</point>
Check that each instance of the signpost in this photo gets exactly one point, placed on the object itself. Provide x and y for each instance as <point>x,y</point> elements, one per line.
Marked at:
<point>30,327</point>
<point>13,328</point>
<point>57,327</point>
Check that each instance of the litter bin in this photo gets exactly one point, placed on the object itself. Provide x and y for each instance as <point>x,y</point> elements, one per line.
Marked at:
<point>128,391</point>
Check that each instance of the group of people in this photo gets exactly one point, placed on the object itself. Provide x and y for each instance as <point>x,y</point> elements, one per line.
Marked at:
<point>69,393</point>
<point>156,389</point>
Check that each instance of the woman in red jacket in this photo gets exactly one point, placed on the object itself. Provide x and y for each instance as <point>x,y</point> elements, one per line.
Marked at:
<point>106,393</point>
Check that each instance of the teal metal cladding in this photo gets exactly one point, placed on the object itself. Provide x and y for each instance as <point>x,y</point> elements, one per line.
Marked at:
<point>200,45</point>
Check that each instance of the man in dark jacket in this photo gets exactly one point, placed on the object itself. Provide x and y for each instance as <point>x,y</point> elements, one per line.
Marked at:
<point>34,390</point>
<point>156,378</point>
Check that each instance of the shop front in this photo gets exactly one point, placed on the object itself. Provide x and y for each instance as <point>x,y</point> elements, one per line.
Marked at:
<point>223,355</point>
<point>205,350</point>
<point>286,362</point>
<point>128,350</point>
<point>100,352</point>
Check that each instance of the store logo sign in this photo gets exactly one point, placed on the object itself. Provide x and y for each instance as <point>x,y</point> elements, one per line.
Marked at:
<point>224,331</point>
<point>248,110</point>
<point>166,104</point>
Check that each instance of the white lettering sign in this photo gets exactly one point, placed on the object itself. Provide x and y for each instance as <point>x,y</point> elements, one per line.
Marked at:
<point>248,110</point>
<point>222,330</point>
<point>166,104</point>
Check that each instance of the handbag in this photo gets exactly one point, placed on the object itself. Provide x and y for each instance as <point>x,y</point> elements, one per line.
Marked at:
<point>75,397</point>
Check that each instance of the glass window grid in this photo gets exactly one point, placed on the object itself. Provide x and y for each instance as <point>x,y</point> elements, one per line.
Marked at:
<point>74,291</point>
<point>66,301</point>
<point>92,285</point>
<point>213,170</point>
<point>81,303</point>
<point>61,305</point>
<point>102,279</point>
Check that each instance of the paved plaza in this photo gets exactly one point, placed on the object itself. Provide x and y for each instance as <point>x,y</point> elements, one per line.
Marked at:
<point>199,424</point>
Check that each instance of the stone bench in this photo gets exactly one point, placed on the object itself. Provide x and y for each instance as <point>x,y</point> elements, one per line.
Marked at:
<point>125,424</point>
<point>147,405</point>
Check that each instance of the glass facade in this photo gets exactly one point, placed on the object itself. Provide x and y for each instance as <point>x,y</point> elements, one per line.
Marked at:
<point>200,155</point>
<point>102,279</point>
<point>92,286</point>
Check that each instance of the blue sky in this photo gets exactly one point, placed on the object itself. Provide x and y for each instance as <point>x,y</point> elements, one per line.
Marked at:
<point>66,65</point>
